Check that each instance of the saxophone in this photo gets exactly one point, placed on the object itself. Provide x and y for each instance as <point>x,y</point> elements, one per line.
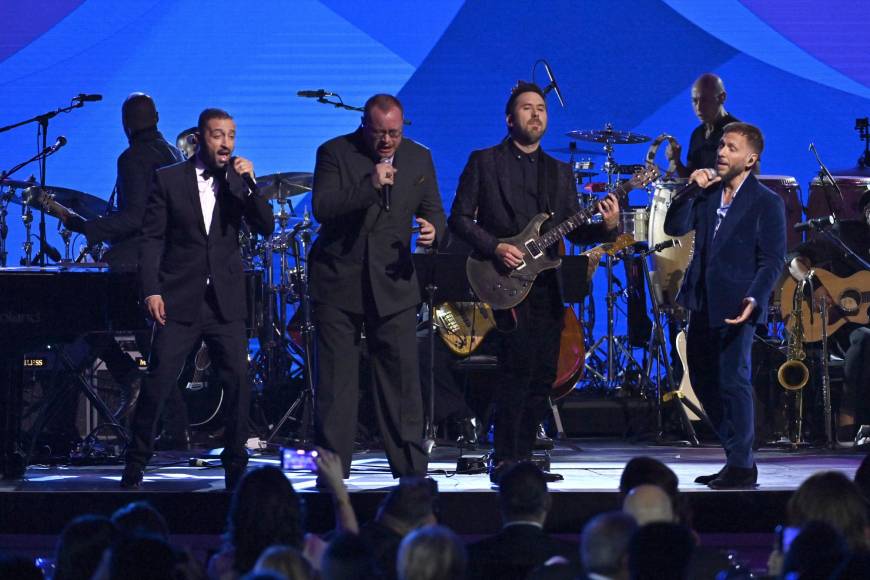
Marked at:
<point>793,374</point>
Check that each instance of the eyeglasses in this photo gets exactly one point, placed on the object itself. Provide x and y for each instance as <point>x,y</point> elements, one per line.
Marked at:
<point>392,134</point>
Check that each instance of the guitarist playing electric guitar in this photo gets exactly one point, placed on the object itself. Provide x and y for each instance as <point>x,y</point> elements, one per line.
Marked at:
<point>500,191</point>
<point>848,303</point>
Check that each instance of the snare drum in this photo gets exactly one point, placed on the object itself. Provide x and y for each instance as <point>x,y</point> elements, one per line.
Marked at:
<point>634,221</point>
<point>669,265</point>
<point>852,186</point>
<point>790,191</point>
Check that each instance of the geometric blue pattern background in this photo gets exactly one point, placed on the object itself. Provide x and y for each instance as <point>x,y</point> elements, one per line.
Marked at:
<point>798,69</point>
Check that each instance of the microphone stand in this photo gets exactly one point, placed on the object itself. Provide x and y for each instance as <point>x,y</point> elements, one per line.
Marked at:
<point>824,175</point>
<point>340,104</point>
<point>42,130</point>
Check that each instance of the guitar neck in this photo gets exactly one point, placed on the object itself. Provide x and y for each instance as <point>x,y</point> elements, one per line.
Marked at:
<point>582,217</point>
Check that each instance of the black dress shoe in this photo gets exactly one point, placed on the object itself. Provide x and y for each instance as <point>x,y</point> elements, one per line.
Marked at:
<point>736,478</point>
<point>706,479</point>
<point>551,477</point>
<point>543,442</point>
<point>132,476</point>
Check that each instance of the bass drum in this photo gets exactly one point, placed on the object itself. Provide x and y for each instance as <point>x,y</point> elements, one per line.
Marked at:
<point>669,265</point>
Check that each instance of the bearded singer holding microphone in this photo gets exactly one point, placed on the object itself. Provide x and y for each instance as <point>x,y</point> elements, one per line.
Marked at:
<point>194,285</point>
<point>739,255</point>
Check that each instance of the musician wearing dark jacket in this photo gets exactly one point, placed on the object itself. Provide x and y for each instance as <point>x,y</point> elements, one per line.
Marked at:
<point>368,187</point>
<point>147,152</point>
<point>852,339</point>
<point>500,190</point>
<point>738,256</point>
<point>194,285</point>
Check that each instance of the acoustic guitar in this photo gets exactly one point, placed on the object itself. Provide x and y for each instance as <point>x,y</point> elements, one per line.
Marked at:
<point>504,288</point>
<point>851,299</point>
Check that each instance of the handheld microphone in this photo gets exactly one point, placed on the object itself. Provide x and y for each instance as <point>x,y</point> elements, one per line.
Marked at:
<point>387,189</point>
<point>61,141</point>
<point>246,177</point>
<point>318,94</point>
<point>553,85</point>
<point>818,223</point>
<point>83,98</point>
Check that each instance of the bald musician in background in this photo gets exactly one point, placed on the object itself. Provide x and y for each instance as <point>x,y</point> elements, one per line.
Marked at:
<point>708,102</point>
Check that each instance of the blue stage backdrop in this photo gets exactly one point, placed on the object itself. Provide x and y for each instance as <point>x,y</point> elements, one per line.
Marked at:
<point>797,68</point>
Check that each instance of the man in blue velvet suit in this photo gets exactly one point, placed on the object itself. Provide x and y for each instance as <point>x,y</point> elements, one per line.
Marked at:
<point>738,256</point>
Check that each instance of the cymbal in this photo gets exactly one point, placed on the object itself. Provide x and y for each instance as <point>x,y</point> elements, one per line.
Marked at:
<point>608,136</point>
<point>285,184</point>
<point>86,205</point>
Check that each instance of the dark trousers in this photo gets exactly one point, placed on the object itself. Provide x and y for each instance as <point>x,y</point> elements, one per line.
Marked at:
<point>227,344</point>
<point>398,401</point>
<point>854,342</point>
<point>125,371</point>
<point>720,370</point>
<point>528,359</point>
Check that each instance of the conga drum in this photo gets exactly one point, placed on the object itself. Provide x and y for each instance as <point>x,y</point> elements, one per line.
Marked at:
<point>668,265</point>
<point>790,191</point>
<point>822,203</point>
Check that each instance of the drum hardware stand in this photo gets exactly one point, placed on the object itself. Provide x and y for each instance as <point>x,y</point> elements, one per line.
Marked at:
<point>658,356</point>
<point>301,238</point>
<point>429,430</point>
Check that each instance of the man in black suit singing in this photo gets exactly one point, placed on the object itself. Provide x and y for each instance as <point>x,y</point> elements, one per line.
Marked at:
<point>500,190</point>
<point>194,286</point>
<point>368,187</point>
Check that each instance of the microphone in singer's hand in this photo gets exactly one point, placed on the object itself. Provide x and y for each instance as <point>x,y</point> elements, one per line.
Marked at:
<point>246,176</point>
<point>387,189</point>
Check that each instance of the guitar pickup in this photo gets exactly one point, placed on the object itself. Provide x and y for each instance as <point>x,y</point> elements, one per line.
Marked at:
<point>534,249</point>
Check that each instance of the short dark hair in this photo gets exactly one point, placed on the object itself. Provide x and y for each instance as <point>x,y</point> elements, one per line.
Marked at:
<point>520,88</point>
<point>412,500</point>
<point>139,112</point>
<point>138,517</point>
<point>381,101</point>
<point>751,132</point>
<point>522,491</point>
<point>209,114</point>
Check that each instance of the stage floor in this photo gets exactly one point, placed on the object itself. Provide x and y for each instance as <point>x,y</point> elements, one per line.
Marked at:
<point>193,499</point>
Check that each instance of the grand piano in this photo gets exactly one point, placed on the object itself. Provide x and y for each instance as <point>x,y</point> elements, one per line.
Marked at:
<point>41,306</point>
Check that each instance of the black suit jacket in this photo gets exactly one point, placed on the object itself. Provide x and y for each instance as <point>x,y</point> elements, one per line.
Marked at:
<point>147,152</point>
<point>746,257</point>
<point>514,552</point>
<point>359,242</point>
<point>483,209</point>
<point>177,257</point>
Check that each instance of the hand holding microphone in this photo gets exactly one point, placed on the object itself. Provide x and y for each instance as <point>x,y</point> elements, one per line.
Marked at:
<point>383,178</point>
<point>245,169</point>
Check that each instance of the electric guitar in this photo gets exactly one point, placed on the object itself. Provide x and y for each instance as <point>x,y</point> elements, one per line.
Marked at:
<point>463,325</point>
<point>851,298</point>
<point>504,288</point>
